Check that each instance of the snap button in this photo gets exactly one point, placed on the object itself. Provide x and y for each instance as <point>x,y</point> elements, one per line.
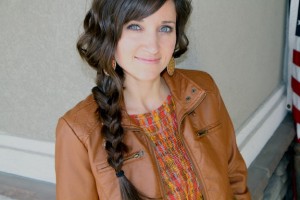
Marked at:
<point>194,90</point>
<point>188,98</point>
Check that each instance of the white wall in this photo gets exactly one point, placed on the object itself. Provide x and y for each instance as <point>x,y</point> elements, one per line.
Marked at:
<point>238,42</point>
<point>42,75</point>
<point>241,44</point>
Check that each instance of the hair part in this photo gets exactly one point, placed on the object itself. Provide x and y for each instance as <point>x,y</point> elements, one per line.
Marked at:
<point>103,25</point>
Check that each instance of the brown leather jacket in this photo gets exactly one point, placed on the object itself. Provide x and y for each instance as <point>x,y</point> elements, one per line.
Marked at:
<point>82,172</point>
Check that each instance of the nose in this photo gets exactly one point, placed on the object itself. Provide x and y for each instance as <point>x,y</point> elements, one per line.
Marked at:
<point>151,42</point>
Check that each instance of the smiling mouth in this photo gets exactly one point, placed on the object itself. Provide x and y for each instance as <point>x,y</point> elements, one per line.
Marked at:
<point>148,60</point>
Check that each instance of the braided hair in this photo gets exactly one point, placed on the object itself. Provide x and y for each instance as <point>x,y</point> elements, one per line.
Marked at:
<point>103,26</point>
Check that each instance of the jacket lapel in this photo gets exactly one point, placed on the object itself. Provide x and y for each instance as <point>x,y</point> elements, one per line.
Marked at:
<point>186,94</point>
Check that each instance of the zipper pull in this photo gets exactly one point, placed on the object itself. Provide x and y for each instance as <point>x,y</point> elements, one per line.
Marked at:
<point>202,133</point>
<point>135,155</point>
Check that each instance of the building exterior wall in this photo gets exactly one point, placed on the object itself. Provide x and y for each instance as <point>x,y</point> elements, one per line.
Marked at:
<point>239,42</point>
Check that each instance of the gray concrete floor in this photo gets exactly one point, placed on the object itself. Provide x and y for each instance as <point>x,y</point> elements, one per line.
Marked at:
<point>6,198</point>
<point>14,187</point>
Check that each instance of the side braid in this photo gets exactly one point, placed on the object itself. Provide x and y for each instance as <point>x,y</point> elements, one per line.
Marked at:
<point>102,30</point>
<point>108,95</point>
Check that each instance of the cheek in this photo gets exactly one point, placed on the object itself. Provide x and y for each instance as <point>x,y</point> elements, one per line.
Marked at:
<point>171,39</point>
<point>174,41</point>
<point>125,48</point>
<point>120,51</point>
<point>174,44</point>
<point>169,45</point>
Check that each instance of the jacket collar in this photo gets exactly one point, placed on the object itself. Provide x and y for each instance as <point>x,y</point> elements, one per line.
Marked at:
<point>186,94</point>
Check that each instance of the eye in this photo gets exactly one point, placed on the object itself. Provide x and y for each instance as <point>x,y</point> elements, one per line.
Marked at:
<point>134,27</point>
<point>166,29</point>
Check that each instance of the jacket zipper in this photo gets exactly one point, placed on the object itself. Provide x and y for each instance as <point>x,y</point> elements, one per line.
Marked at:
<point>193,164</point>
<point>152,152</point>
<point>206,130</point>
<point>157,167</point>
<point>183,143</point>
<point>136,155</point>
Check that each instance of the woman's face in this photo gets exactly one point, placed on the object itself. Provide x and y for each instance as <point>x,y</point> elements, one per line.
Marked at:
<point>146,46</point>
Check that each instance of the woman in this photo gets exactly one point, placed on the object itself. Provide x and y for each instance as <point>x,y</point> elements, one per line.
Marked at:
<point>146,132</point>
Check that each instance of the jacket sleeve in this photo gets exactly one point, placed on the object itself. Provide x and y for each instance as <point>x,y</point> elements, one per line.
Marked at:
<point>237,169</point>
<point>74,178</point>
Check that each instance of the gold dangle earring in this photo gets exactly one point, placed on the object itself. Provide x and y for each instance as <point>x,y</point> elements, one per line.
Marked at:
<point>113,65</point>
<point>171,66</point>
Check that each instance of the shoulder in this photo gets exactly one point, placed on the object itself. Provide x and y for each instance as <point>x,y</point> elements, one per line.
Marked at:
<point>200,78</point>
<point>82,118</point>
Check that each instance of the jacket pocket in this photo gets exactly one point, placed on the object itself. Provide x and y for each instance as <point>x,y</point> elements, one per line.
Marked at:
<point>208,129</point>
<point>104,166</point>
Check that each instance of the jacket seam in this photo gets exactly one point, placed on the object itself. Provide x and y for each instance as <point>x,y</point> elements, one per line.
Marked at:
<point>186,77</point>
<point>83,139</point>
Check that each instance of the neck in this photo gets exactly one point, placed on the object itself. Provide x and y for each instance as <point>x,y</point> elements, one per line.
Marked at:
<point>144,96</point>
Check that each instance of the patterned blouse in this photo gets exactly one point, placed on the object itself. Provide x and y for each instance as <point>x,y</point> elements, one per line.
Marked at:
<point>179,179</point>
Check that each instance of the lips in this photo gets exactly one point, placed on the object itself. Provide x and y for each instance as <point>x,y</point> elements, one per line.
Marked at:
<point>148,60</point>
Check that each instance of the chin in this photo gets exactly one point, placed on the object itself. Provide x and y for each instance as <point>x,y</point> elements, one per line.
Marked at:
<point>149,77</point>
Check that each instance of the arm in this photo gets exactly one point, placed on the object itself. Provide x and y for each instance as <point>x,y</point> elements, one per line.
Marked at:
<point>74,178</point>
<point>237,170</point>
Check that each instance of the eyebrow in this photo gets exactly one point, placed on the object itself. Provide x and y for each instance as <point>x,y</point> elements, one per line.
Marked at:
<point>169,22</point>
<point>163,22</point>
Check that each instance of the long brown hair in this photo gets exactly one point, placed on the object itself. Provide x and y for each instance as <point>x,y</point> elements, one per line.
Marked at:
<point>103,26</point>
